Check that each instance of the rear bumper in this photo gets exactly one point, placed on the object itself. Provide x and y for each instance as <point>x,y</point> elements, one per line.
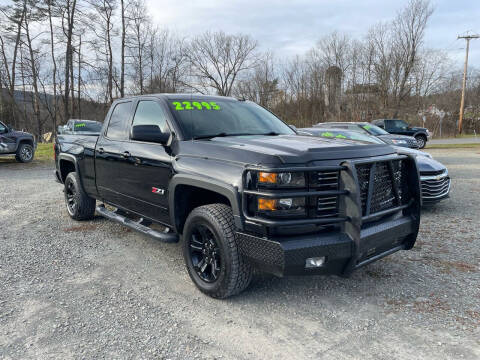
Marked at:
<point>344,252</point>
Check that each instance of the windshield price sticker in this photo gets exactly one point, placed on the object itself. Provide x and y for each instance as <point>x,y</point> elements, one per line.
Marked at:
<point>195,105</point>
<point>80,125</point>
<point>329,134</point>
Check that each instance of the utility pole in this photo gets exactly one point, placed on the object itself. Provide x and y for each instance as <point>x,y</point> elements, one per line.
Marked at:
<point>462,101</point>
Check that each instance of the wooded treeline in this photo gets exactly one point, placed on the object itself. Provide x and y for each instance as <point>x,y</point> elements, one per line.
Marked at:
<point>62,59</point>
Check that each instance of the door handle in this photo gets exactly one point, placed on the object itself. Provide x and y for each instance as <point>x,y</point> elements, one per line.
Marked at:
<point>100,150</point>
<point>126,155</point>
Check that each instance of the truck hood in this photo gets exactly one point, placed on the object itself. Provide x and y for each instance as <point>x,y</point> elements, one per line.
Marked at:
<point>425,163</point>
<point>16,133</point>
<point>394,137</point>
<point>409,151</point>
<point>419,129</point>
<point>282,149</point>
<point>428,165</point>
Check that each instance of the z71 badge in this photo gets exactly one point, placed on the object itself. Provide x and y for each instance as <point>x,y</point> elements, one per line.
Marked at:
<point>158,191</point>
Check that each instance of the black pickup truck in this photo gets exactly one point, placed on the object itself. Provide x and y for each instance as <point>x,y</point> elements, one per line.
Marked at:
<point>241,189</point>
<point>400,127</point>
<point>18,143</point>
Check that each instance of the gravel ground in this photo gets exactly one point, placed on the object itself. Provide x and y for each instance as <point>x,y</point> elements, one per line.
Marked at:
<point>97,290</point>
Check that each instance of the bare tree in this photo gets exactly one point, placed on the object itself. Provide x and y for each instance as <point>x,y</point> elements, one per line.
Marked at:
<point>409,31</point>
<point>15,14</point>
<point>261,85</point>
<point>33,14</point>
<point>54,63</point>
<point>429,73</point>
<point>217,60</point>
<point>68,21</point>
<point>334,50</point>
<point>122,48</point>
<point>104,31</point>
<point>136,41</point>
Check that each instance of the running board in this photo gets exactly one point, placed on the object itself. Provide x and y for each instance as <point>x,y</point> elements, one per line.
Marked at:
<point>137,226</point>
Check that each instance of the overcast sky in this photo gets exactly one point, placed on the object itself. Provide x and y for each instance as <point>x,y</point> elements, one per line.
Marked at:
<point>292,27</point>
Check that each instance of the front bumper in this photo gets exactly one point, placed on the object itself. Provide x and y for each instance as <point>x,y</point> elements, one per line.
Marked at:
<point>361,232</point>
<point>435,188</point>
<point>343,253</point>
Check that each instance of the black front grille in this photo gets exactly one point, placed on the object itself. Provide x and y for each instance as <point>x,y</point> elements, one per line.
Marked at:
<point>325,180</point>
<point>327,205</point>
<point>388,188</point>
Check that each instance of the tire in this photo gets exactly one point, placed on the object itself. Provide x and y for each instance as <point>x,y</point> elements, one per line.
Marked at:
<point>79,205</point>
<point>219,251</point>
<point>421,141</point>
<point>24,153</point>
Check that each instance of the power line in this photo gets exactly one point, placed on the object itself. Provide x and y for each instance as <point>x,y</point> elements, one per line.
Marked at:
<point>462,101</point>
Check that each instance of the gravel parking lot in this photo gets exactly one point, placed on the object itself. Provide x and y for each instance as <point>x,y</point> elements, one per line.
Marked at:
<point>97,290</point>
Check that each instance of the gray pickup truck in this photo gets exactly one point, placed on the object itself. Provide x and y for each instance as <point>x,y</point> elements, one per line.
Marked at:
<point>18,143</point>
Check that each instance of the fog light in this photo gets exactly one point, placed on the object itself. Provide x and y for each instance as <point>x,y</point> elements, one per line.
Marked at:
<point>314,262</point>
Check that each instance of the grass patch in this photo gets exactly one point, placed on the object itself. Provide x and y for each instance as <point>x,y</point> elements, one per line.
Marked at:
<point>453,146</point>
<point>44,152</point>
<point>461,136</point>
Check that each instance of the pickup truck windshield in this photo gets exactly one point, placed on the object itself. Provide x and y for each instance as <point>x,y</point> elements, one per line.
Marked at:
<point>374,130</point>
<point>87,126</point>
<point>202,119</point>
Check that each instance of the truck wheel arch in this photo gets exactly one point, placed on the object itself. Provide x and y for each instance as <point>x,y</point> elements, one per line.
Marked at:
<point>420,133</point>
<point>188,192</point>
<point>25,141</point>
<point>67,164</point>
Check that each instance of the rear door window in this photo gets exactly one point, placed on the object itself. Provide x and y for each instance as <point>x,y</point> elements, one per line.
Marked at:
<point>397,124</point>
<point>117,127</point>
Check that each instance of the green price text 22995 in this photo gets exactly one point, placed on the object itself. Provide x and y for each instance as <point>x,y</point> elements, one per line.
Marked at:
<point>195,105</point>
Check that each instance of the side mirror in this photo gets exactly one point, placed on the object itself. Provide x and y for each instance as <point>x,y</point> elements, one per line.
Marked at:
<point>293,127</point>
<point>149,133</point>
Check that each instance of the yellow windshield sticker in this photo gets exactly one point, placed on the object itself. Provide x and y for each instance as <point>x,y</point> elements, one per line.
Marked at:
<point>327,134</point>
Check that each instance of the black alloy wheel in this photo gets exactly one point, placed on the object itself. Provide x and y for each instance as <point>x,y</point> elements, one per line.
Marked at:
<point>79,205</point>
<point>212,256</point>
<point>70,197</point>
<point>205,253</point>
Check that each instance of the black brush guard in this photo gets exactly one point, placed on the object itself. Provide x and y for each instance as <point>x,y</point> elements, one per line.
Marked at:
<point>362,236</point>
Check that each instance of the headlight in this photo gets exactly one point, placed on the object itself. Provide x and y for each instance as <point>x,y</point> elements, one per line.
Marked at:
<point>293,179</point>
<point>398,142</point>
<point>281,207</point>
